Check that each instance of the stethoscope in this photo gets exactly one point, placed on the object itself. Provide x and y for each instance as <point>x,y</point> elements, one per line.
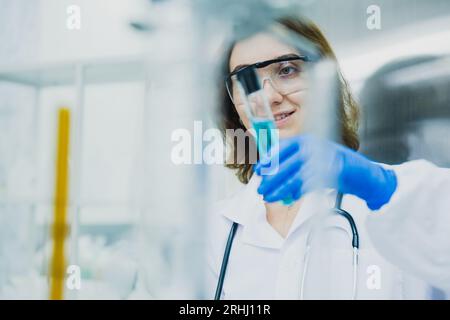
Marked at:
<point>355,245</point>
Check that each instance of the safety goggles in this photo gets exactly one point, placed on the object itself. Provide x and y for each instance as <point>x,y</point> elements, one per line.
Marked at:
<point>286,75</point>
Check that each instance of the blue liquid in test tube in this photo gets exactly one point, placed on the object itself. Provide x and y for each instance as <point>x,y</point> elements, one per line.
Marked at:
<point>266,137</point>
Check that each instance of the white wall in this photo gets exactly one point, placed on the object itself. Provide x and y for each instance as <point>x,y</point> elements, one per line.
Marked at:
<point>105,30</point>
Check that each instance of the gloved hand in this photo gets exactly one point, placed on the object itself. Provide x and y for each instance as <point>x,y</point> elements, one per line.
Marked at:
<point>345,170</point>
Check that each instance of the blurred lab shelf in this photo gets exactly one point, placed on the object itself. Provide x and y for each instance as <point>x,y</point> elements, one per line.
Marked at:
<point>65,73</point>
<point>79,75</point>
<point>103,213</point>
<point>110,233</point>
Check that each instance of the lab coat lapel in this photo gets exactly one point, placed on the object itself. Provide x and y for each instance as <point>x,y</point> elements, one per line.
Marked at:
<point>241,206</point>
<point>247,209</point>
<point>309,207</point>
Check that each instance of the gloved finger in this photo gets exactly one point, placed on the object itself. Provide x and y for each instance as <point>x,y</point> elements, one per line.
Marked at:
<point>297,193</point>
<point>286,170</point>
<point>290,189</point>
<point>266,159</point>
<point>280,169</point>
<point>283,150</point>
<point>302,151</point>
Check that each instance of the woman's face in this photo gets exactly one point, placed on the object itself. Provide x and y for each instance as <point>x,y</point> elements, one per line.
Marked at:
<point>287,109</point>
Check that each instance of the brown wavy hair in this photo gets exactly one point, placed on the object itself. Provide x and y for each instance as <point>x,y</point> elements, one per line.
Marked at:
<point>229,118</point>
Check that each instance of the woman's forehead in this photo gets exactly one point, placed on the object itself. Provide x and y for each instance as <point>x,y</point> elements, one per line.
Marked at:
<point>259,47</point>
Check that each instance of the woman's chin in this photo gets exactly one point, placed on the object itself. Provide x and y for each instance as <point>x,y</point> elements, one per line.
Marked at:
<point>288,132</point>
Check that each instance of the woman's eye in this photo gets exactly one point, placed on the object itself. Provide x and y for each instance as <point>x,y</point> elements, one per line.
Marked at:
<point>288,70</point>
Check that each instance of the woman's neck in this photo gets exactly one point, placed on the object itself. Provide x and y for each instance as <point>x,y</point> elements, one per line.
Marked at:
<point>281,217</point>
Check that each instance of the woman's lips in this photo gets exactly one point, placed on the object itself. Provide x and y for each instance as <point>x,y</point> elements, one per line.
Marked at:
<point>282,118</point>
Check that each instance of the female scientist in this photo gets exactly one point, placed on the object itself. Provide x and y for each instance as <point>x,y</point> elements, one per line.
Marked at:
<point>262,249</point>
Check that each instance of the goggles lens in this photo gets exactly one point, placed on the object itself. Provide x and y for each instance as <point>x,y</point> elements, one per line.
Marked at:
<point>285,76</point>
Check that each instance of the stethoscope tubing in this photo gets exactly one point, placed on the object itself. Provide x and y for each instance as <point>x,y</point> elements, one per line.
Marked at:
<point>355,245</point>
<point>226,256</point>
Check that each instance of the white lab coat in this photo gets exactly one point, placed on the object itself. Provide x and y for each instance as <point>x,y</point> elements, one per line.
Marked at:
<point>404,246</point>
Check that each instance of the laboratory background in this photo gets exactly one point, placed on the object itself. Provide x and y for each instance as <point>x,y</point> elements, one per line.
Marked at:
<point>91,91</point>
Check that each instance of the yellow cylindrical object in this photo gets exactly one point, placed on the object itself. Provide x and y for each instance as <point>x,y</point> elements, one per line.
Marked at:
<point>59,229</point>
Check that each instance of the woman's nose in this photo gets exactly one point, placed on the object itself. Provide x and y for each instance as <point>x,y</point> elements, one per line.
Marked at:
<point>272,93</point>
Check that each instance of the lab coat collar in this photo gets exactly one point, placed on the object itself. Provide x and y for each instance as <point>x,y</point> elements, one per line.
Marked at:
<point>245,202</point>
<point>248,210</point>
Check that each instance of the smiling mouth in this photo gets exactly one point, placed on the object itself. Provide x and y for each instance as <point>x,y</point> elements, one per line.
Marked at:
<point>283,115</point>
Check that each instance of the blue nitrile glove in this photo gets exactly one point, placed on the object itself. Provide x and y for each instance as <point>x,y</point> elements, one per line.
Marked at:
<point>346,170</point>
